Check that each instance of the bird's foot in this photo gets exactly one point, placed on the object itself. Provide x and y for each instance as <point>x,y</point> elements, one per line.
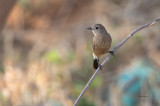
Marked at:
<point>111,52</point>
<point>100,66</point>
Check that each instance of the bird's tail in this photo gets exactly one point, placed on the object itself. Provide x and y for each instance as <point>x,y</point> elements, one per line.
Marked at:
<point>95,63</point>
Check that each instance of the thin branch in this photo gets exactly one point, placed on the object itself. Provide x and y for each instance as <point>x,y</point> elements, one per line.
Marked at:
<point>115,49</point>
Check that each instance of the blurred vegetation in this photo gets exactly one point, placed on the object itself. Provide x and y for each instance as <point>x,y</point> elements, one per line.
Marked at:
<point>46,56</point>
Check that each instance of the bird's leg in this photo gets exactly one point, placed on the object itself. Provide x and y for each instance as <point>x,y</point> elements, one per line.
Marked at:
<point>99,65</point>
<point>111,52</point>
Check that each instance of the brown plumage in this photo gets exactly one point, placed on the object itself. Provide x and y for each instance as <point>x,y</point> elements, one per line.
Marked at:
<point>101,43</point>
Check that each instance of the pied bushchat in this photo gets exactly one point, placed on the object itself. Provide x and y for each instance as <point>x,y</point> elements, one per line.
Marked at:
<point>100,44</point>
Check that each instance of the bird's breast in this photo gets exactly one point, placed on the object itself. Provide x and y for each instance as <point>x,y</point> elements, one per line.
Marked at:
<point>101,44</point>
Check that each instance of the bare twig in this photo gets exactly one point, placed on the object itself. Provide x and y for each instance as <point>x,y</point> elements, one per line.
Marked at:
<point>115,49</point>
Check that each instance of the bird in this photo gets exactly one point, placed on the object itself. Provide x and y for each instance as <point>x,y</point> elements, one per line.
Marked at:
<point>101,43</point>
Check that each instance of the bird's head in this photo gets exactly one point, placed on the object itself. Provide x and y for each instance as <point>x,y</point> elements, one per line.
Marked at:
<point>97,29</point>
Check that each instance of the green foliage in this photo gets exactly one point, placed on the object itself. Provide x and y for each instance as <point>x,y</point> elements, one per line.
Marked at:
<point>23,3</point>
<point>54,57</point>
<point>89,47</point>
<point>70,56</point>
<point>2,69</point>
<point>84,102</point>
<point>2,98</point>
<point>78,86</point>
<point>96,82</point>
<point>138,38</point>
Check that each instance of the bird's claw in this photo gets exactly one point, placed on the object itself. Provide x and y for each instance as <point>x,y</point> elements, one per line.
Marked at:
<point>111,52</point>
<point>100,66</point>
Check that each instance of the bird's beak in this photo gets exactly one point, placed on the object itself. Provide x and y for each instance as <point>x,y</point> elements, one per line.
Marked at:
<point>89,28</point>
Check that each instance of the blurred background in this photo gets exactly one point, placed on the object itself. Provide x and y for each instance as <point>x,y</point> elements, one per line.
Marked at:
<point>46,56</point>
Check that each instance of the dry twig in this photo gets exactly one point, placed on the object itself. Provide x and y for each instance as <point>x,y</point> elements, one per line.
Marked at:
<point>115,49</point>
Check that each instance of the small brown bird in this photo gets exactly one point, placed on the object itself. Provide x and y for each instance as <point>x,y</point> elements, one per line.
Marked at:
<point>101,43</point>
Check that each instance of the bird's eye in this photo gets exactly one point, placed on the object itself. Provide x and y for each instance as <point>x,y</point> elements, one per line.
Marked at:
<point>96,27</point>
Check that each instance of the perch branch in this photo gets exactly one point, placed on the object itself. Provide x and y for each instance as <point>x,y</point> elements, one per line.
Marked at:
<point>115,49</point>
